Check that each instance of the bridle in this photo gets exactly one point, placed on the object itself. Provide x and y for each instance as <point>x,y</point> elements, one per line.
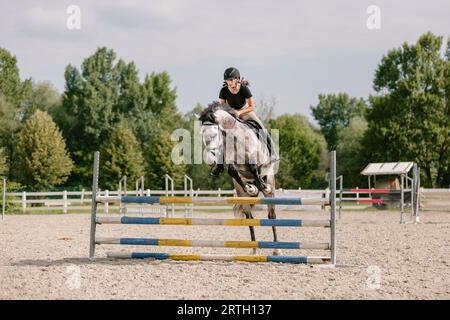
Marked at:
<point>213,150</point>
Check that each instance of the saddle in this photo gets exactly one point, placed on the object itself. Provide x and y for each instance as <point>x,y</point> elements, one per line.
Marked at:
<point>257,129</point>
<point>251,124</point>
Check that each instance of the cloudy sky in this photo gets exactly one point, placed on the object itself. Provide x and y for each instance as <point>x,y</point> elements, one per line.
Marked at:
<point>289,50</point>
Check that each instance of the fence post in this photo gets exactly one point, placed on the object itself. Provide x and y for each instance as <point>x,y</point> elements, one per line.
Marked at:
<point>421,199</point>
<point>140,186</point>
<point>188,191</point>
<point>327,192</point>
<point>416,174</point>
<point>106,203</point>
<point>3,198</point>
<point>192,204</point>
<point>65,201</point>
<point>341,188</point>
<point>357,195</point>
<point>24,201</point>
<point>168,179</point>
<point>402,199</point>
<point>82,196</point>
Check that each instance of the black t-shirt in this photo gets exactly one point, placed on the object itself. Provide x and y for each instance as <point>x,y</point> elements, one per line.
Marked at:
<point>236,101</point>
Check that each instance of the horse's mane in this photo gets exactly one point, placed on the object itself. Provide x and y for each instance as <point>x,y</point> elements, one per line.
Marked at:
<point>207,114</point>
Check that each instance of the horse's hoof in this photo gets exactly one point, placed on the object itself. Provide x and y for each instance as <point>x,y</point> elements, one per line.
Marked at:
<point>267,189</point>
<point>251,190</point>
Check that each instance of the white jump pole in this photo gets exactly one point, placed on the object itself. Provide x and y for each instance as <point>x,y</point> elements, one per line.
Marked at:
<point>333,207</point>
<point>94,204</point>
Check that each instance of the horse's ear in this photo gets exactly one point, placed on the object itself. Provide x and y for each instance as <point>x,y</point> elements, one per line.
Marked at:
<point>197,116</point>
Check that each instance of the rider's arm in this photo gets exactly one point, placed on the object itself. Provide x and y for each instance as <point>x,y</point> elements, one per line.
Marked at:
<point>222,101</point>
<point>250,103</point>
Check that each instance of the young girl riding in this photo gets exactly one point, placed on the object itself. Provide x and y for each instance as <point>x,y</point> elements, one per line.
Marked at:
<point>237,95</point>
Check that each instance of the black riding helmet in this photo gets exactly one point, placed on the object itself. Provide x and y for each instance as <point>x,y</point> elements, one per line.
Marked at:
<point>231,73</point>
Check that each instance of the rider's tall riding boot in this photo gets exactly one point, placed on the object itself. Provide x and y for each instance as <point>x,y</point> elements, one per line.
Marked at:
<point>271,146</point>
<point>216,170</point>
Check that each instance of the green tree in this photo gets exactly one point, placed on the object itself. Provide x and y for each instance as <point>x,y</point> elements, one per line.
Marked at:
<point>105,93</point>
<point>91,97</point>
<point>201,178</point>
<point>131,95</point>
<point>349,152</point>
<point>335,111</point>
<point>89,108</point>
<point>12,93</point>
<point>11,87</point>
<point>3,165</point>
<point>159,113</point>
<point>42,96</point>
<point>192,116</point>
<point>41,159</point>
<point>121,156</point>
<point>159,162</point>
<point>302,151</point>
<point>9,120</point>
<point>409,117</point>
<point>159,94</point>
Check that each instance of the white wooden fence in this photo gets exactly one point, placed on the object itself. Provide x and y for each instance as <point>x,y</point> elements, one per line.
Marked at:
<point>431,199</point>
<point>435,200</point>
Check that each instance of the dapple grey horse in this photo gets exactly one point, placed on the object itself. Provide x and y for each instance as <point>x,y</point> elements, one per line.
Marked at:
<point>246,157</point>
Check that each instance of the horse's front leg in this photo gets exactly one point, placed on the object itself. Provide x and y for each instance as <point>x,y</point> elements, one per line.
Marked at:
<point>259,181</point>
<point>251,190</point>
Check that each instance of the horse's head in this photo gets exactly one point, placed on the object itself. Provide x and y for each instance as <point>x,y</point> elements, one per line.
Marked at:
<point>221,114</point>
<point>215,119</point>
<point>212,137</point>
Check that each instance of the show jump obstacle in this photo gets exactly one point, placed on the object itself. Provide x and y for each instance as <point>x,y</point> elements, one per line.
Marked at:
<point>406,195</point>
<point>210,223</point>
